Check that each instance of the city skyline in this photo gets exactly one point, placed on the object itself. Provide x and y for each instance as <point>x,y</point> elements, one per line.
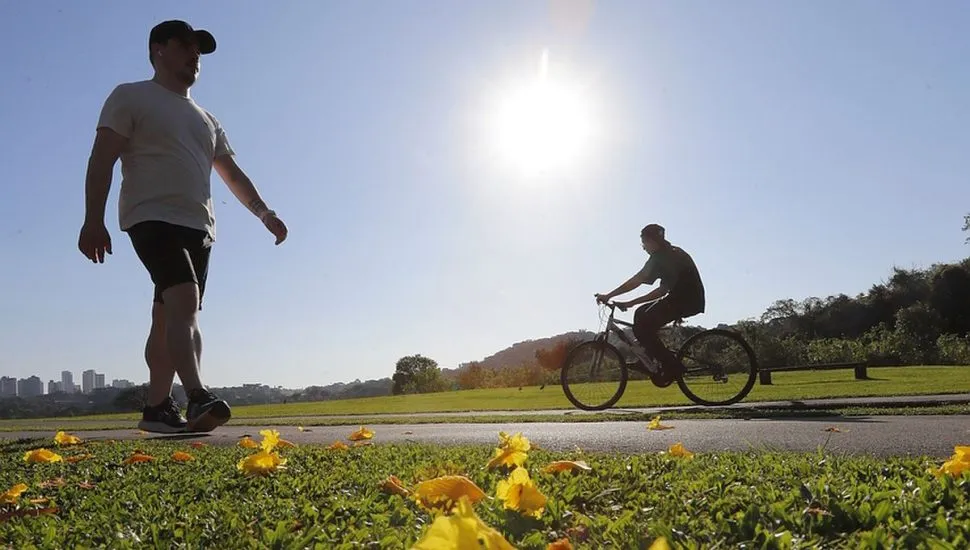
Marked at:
<point>34,385</point>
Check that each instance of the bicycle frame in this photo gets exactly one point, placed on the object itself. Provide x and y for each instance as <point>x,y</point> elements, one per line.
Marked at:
<point>614,326</point>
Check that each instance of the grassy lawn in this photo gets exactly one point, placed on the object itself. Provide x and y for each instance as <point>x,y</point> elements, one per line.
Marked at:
<point>52,425</point>
<point>326,498</point>
<point>787,386</point>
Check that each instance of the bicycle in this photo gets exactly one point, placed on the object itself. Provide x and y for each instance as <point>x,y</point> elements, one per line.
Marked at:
<point>722,344</point>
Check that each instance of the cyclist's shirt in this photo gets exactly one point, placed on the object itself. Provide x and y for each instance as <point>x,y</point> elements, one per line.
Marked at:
<point>678,274</point>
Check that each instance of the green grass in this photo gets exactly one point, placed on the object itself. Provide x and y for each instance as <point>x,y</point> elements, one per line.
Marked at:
<point>331,499</point>
<point>885,381</point>
<point>52,425</point>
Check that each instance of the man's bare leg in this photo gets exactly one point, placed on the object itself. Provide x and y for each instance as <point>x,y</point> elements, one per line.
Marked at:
<point>161,414</point>
<point>205,411</point>
<point>160,368</point>
<point>182,334</point>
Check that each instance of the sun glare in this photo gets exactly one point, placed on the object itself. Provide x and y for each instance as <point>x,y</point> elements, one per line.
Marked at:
<point>543,125</point>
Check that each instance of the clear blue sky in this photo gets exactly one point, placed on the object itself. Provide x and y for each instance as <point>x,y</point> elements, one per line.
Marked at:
<point>794,148</point>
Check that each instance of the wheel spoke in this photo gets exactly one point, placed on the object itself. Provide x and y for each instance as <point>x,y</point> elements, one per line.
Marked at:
<point>593,376</point>
<point>721,367</point>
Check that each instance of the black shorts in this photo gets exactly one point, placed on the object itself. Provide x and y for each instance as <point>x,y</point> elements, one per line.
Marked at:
<point>173,254</point>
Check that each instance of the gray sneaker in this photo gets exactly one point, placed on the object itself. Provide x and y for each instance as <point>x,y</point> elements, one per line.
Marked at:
<point>166,417</point>
<point>206,412</point>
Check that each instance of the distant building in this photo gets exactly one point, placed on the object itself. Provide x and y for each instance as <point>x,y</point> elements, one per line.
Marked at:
<point>53,387</point>
<point>98,381</point>
<point>30,387</point>
<point>8,386</point>
<point>87,381</point>
<point>67,381</point>
<point>122,384</point>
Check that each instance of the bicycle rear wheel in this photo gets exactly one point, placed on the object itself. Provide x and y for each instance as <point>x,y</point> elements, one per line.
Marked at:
<point>593,376</point>
<point>721,367</point>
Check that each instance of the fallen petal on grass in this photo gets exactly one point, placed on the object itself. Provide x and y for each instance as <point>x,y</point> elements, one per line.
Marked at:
<point>261,463</point>
<point>63,438</point>
<point>361,434</point>
<point>678,450</point>
<point>42,455</point>
<point>11,495</point>
<point>566,466</point>
<point>463,529</point>
<point>181,456</point>
<point>520,493</point>
<point>394,486</point>
<point>443,493</point>
<point>138,457</point>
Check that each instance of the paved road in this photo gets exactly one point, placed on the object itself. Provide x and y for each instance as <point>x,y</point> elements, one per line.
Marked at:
<point>877,435</point>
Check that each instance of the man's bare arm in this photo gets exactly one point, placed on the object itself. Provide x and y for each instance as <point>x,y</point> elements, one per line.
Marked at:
<point>654,294</point>
<point>629,285</point>
<point>107,148</point>
<point>241,186</point>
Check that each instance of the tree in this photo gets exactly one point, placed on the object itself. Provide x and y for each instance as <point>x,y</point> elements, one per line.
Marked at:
<point>417,374</point>
<point>472,376</point>
<point>966,225</point>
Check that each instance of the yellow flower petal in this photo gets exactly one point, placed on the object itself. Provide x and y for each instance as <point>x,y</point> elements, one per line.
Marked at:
<point>248,443</point>
<point>394,486</point>
<point>339,446</point>
<point>678,450</point>
<point>271,438</point>
<point>656,425</point>
<point>362,433</point>
<point>284,443</point>
<point>566,465</point>
<point>442,493</point>
<point>520,493</point>
<point>660,544</point>
<point>261,463</point>
<point>41,455</point>
<point>138,457</point>
<point>63,438</point>
<point>561,544</point>
<point>512,451</point>
<point>462,529</point>
<point>12,494</point>
<point>181,456</point>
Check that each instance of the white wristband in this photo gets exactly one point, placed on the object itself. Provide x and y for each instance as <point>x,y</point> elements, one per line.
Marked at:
<point>262,217</point>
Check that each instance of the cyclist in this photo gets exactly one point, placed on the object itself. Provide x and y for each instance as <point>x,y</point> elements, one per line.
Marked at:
<point>680,295</point>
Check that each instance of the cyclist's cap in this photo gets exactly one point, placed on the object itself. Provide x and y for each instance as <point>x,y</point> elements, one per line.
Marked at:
<point>166,30</point>
<point>653,231</point>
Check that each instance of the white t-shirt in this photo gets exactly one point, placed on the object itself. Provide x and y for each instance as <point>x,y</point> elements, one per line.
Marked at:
<point>167,165</point>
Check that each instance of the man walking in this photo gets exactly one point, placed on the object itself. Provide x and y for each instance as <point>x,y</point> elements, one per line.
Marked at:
<point>168,145</point>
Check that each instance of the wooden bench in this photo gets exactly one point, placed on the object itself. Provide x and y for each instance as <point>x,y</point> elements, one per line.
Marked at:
<point>764,373</point>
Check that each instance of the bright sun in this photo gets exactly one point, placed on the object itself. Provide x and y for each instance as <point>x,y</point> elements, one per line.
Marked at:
<point>542,126</point>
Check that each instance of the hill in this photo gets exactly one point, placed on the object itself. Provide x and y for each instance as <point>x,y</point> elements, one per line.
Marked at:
<point>524,352</point>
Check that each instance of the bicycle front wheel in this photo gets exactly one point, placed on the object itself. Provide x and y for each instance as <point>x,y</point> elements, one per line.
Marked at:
<point>721,367</point>
<point>593,376</point>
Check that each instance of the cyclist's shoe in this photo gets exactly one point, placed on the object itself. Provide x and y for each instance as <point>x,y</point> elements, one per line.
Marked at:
<point>661,379</point>
<point>206,412</point>
<point>166,417</point>
<point>667,375</point>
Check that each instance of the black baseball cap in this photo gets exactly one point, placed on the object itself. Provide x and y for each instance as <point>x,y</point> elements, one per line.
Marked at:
<point>654,231</point>
<point>175,28</point>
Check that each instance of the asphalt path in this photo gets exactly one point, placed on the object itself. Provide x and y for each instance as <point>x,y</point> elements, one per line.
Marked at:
<point>879,436</point>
